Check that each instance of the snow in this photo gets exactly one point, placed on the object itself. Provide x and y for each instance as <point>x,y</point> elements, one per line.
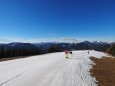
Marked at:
<point>50,70</point>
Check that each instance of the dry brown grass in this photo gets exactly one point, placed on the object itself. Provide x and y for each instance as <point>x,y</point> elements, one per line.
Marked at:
<point>104,71</point>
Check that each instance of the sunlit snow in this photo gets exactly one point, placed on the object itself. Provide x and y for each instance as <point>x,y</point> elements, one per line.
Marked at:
<point>50,70</point>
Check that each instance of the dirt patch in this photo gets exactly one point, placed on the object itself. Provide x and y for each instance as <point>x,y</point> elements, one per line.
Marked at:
<point>12,58</point>
<point>104,71</point>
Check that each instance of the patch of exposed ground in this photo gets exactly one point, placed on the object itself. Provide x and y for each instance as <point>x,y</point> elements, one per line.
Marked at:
<point>104,71</point>
<point>12,58</point>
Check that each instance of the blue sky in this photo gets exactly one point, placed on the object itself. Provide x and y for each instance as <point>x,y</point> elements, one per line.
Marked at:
<point>42,19</point>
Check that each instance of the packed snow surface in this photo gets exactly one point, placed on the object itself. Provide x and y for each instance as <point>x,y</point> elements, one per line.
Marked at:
<point>50,70</point>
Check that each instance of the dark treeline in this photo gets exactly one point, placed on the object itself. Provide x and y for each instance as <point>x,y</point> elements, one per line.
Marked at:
<point>19,49</point>
<point>55,48</point>
<point>79,46</point>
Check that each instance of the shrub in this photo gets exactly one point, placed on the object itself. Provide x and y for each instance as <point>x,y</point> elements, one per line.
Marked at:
<point>111,50</point>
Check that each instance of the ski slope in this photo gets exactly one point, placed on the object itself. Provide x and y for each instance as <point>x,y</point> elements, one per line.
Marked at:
<point>49,70</point>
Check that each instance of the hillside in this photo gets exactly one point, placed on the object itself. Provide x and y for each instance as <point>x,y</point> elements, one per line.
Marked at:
<point>15,49</point>
<point>104,71</point>
<point>50,70</point>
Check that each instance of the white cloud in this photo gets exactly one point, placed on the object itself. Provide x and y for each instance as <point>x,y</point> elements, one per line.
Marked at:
<point>37,40</point>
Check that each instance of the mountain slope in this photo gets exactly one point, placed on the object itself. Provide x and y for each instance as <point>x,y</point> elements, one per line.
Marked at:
<point>49,70</point>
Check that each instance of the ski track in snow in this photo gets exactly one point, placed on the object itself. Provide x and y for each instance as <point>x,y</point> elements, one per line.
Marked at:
<point>50,70</point>
<point>9,80</point>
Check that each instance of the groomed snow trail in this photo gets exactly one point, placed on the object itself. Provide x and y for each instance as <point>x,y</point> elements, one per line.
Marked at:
<point>49,70</point>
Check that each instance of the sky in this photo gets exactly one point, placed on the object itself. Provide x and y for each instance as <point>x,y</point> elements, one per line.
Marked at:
<point>47,19</point>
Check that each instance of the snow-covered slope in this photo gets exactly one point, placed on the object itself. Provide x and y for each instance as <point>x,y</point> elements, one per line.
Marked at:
<point>49,70</point>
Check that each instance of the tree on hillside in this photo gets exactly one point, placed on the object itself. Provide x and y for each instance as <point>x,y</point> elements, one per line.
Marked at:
<point>54,48</point>
<point>111,50</point>
<point>22,49</point>
<point>1,51</point>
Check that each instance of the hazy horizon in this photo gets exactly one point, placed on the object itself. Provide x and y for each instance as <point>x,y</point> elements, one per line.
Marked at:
<point>66,40</point>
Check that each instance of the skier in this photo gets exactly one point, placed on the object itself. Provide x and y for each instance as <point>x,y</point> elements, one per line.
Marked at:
<point>70,53</point>
<point>66,52</point>
<point>88,52</point>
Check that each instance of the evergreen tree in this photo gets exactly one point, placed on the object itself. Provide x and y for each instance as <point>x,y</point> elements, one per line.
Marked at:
<point>111,50</point>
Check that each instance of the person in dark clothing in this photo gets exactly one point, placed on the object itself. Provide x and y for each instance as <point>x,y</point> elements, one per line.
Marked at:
<point>70,53</point>
<point>88,52</point>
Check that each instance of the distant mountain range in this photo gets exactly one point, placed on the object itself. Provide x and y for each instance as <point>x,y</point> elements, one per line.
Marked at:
<point>96,45</point>
<point>25,49</point>
<point>48,44</point>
